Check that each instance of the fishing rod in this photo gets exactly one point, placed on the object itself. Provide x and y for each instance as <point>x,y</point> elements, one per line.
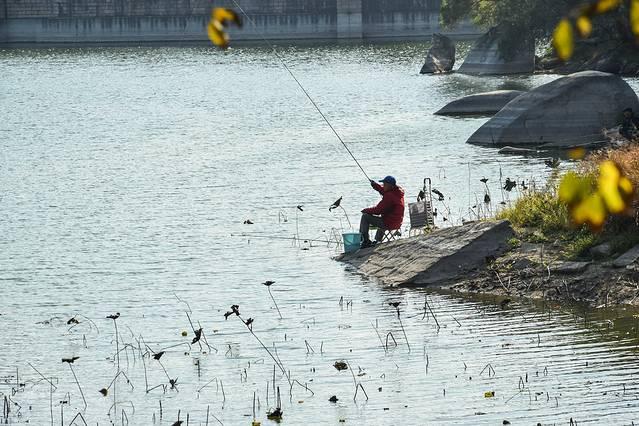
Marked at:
<point>293,238</point>
<point>301,87</point>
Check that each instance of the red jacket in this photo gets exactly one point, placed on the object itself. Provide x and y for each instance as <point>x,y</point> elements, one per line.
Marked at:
<point>391,208</point>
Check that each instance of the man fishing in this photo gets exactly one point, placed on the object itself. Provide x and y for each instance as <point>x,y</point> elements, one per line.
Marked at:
<point>388,214</point>
<point>629,125</point>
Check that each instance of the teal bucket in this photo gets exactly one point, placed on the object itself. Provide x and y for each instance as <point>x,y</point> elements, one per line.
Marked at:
<point>352,241</point>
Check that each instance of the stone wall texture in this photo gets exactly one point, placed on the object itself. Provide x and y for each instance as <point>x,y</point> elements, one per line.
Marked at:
<point>104,21</point>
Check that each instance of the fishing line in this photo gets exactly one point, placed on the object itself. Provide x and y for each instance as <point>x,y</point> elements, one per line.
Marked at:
<point>293,238</point>
<point>301,87</point>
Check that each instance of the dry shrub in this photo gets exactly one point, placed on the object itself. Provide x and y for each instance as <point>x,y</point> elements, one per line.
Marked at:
<point>627,158</point>
<point>623,228</point>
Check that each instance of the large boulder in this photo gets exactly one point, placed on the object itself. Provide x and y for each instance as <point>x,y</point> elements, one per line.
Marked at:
<point>440,257</point>
<point>486,58</point>
<point>488,103</point>
<point>569,111</point>
<point>440,57</point>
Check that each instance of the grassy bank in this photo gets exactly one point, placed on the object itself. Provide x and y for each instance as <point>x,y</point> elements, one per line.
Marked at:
<point>540,216</point>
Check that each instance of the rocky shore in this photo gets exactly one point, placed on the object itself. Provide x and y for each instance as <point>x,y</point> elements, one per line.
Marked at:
<point>611,57</point>
<point>487,258</point>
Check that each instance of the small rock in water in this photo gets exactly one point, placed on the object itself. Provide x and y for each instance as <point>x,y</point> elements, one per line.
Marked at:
<point>504,302</point>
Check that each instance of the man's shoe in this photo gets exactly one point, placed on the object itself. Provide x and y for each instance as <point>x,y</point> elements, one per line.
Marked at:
<point>368,243</point>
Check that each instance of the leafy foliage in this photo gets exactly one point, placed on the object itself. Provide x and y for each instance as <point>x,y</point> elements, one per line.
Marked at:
<point>580,18</point>
<point>540,210</point>
<point>592,201</point>
<point>540,216</point>
<point>527,21</point>
<point>519,21</point>
<point>590,205</point>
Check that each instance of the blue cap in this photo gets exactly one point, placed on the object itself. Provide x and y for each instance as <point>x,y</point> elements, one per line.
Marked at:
<point>389,179</point>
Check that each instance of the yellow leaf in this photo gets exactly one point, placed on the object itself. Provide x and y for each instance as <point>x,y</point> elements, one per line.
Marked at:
<point>220,17</point>
<point>577,153</point>
<point>634,17</point>
<point>584,26</point>
<point>574,188</point>
<point>604,6</point>
<point>625,186</point>
<point>590,211</point>
<point>563,39</point>
<point>489,394</point>
<point>608,187</point>
<point>217,35</point>
<point>614,188</point>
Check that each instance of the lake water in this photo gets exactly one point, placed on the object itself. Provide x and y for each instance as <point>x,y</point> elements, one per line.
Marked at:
<point>125,177</point>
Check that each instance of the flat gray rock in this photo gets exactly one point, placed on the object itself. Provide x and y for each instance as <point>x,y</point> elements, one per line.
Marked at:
<point>601,251</point>
<point>436,258</point>
<point>488,103</point>
<point>570,111</point>
<point>570,267</point>
<point>627,258</point>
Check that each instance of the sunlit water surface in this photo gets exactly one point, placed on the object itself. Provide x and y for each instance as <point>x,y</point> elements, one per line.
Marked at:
<point>126,176</point>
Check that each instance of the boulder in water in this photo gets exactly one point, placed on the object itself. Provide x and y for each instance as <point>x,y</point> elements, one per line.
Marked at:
<point>486,57</point>
<point>440,57</point>
<point>569,111</point>
<point>488,103</point>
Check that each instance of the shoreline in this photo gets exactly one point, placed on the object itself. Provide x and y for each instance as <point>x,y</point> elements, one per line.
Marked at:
<point>481,258</point>
<point>204,42</point>
<point>524,273</point>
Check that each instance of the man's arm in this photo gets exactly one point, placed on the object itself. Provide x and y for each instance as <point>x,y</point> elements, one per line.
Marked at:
<point>382,207</point>
<point>377,187</point>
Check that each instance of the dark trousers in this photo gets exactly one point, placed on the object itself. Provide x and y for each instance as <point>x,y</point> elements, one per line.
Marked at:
<point>365,224</point>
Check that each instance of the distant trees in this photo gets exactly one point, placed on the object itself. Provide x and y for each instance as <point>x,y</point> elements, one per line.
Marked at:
<point>522,21</point>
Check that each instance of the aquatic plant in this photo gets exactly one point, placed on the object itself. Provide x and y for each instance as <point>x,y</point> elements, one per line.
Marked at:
<point>268,285</point>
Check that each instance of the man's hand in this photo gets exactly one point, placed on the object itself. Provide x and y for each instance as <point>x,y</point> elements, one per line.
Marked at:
<point>372,182</point>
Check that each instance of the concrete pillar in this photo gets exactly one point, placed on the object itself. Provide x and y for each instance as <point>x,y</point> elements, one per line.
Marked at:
<point>349,19</point>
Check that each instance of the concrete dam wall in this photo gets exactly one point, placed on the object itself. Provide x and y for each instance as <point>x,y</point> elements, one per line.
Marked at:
<point>125,21</point>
